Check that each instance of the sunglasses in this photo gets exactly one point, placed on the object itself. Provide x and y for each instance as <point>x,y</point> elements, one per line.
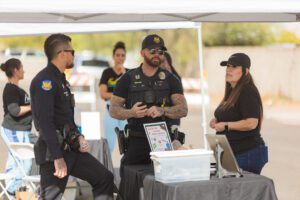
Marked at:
<point>68,50</point>
<point>158,51</point>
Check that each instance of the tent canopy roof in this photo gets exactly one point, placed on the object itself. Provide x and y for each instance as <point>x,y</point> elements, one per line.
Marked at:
<point>33,17</point>
<point>95,11</point>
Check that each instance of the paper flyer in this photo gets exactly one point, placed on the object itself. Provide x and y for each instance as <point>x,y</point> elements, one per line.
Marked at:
<point>158,136</point>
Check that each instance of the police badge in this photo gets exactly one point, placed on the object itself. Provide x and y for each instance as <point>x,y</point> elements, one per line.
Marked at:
<point>162,75</point>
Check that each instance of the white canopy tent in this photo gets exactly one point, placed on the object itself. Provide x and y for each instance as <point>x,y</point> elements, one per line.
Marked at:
<point>22,29</point>
<point>18,17</point>
<point>85,15</point>
<point>89,11</point>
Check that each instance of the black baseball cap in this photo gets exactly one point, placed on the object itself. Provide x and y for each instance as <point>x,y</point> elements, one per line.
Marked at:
<point>238,59</point>
<point>153,41</point>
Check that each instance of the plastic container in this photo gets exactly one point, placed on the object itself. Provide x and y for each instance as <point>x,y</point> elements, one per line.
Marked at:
<point>182,165</point>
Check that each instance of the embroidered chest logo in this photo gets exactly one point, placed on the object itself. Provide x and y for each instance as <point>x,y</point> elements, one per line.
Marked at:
<point>65,89</point>
<point>137,80</point>
<point>27,99</point>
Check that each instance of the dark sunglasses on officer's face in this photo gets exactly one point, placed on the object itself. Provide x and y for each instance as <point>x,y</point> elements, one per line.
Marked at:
<point>159,51</point>
<point>68,50</point>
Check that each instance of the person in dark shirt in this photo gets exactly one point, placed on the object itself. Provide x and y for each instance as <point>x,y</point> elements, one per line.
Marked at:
<point>61,150</point>
<point>17,118</point>
<point>239,115</point>
<point>107,84</point>
<point>167,64</point>
<point>146,94</point>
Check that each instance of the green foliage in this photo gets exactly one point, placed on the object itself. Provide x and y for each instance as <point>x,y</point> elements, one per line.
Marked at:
<point>35,42</point>
<point>183,47</point>
<point>288,37</point>
<point>181,43</point>
<point>104,43</point>
<point>237,34</point>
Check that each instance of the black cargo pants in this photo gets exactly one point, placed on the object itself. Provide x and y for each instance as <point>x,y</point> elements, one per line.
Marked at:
<point>80,165</point>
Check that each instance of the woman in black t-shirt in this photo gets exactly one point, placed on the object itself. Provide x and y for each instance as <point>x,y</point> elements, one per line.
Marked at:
<point>167,64</point>
<point>239,115</point>
<point>16,125</point>
<point>107,84</point>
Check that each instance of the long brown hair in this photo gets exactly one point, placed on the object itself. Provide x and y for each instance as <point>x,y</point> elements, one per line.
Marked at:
<point>232,94</point>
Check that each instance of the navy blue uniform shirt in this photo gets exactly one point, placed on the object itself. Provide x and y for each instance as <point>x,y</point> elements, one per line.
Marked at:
<point>52,106</point>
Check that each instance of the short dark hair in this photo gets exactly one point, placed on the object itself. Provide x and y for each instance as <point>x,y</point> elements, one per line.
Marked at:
<point>55,43</point>
<point>10,65</point>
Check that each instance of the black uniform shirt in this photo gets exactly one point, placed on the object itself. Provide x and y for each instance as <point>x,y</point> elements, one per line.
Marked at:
<point>123,89</point>
<point>52,106</point>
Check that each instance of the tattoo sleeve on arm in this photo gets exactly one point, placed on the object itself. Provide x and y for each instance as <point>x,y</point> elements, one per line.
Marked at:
<point>117,109</point>
<point>179,108</point>
<point>61,164</point>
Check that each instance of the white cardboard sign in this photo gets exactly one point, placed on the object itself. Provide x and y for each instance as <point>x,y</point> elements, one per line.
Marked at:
<point>90,125</point>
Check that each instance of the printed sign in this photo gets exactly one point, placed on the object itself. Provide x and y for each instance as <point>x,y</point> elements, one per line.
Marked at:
<point>158,136</point>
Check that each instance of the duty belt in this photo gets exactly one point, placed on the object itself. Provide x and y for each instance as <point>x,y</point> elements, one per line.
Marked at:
<point>138,134</point>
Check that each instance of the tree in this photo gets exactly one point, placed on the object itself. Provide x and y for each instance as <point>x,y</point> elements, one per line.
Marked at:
<point>237,34</point>
<point>288,37</point>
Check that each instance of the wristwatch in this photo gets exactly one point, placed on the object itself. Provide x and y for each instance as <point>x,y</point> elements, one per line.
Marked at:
<point>226,126</point>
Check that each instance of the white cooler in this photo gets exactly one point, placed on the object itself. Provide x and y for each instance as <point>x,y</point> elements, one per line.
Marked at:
<point>181,165</point>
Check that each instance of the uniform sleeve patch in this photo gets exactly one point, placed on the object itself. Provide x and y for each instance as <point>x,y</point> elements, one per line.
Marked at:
<point>46,85</point>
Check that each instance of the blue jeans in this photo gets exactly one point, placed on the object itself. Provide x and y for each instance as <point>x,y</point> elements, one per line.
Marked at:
<point>109,126</point>
<point>254,159</point>
<point>11,166</point>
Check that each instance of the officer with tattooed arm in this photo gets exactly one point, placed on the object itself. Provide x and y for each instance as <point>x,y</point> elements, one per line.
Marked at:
<point>146,94</point>
<point>61,150</point>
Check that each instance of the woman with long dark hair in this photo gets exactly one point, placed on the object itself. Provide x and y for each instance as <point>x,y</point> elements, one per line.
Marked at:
<point>167,64</point>
<point>17,117</point>
<point>107,84</point>
<point>240,113</point>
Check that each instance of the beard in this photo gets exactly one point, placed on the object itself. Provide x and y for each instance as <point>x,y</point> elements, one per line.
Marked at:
<point>70,65</point>
<point>153,62</point>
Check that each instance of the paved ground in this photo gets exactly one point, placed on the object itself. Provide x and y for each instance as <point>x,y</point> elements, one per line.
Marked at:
<point>280,130</point>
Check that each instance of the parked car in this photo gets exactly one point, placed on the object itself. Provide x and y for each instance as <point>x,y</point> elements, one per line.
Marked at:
<point>17,52</point>
<point>92,66</point>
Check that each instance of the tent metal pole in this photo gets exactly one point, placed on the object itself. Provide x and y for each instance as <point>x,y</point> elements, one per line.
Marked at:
<point>203,109</point>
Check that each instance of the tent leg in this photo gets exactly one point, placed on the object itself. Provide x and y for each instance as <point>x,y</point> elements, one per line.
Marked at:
<point>200,56</point>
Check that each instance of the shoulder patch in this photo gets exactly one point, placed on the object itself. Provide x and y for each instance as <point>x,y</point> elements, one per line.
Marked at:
<point>46,85</point>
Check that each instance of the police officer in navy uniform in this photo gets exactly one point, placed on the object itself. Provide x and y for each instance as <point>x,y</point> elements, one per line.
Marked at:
<point>146,94</point>
<point>53,111</point>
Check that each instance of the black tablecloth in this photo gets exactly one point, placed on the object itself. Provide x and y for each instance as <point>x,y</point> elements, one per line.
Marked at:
<point>248,187</point>
<point>133,180</point>
<point>100,150</point>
